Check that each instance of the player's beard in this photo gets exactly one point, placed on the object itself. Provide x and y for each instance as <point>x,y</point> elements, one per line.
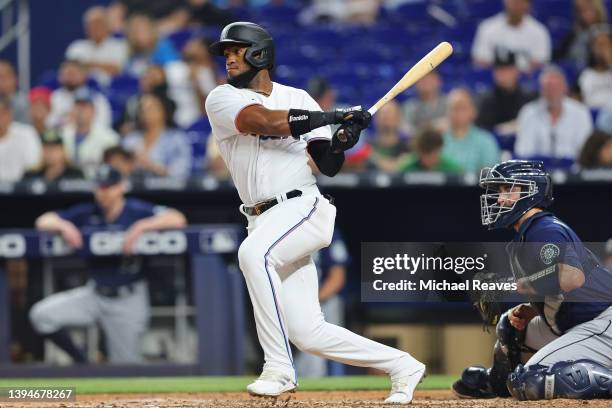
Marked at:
<point>242,80</point>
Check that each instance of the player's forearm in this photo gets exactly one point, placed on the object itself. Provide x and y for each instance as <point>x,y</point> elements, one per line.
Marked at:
<point>168,219</point>
<point>256,119</point>
<point>50,221</point>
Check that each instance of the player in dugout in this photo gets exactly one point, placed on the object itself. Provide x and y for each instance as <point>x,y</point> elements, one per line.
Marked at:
<point>559,345</point>
<point>116,295</point>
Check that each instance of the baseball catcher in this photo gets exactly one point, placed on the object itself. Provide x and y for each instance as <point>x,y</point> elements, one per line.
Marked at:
<point>559,345</point>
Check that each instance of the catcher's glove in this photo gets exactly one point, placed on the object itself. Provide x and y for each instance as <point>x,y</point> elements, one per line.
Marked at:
<point>488,302</point>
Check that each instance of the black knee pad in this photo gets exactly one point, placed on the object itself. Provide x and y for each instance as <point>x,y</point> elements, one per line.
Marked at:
<point>581,379</point>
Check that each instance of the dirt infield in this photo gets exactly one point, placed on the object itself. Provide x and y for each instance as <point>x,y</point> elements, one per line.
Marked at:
<point>336,399</point>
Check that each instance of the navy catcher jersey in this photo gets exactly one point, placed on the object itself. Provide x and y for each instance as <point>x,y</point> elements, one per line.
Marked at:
<point>112,270</point>
<point>543,240</point>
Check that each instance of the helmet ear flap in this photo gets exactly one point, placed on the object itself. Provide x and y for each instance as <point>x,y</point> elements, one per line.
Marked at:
<point>260,57</point>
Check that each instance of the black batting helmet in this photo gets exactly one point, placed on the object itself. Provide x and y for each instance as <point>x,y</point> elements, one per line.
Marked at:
<point>260,51</point>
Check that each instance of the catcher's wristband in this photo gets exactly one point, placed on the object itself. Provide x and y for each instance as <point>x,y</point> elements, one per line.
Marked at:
<point>303,121</point>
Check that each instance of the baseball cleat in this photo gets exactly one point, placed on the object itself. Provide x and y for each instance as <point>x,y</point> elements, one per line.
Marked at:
<point>271,384</point>
<point>463,391</point>
<point>402,387</point>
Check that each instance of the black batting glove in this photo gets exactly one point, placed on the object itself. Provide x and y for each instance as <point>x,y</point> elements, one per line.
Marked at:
<point>303,121</point>
<point>357,116</point>
<point>345,137</point>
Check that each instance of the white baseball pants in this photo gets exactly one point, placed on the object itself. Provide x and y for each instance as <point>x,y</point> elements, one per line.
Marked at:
<point>282,282</point>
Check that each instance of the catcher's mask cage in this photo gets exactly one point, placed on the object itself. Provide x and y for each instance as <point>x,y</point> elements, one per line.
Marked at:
<point>491,181</point>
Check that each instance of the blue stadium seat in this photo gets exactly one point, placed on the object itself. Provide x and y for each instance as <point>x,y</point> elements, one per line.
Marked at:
<point>198,134</point>
<point>505,142</point>
<point>553,162</point>
<point>180,38</point>
<point>48,79</point>
<point>276,15</point>
<point>121,88</point>
<point>481,9</point>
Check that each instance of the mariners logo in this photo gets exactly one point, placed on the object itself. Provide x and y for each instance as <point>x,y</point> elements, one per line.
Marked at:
<point>548,253</point>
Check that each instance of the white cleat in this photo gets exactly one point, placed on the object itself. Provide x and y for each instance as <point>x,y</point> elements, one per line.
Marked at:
<point>403,387</point>
<point>271,384</point>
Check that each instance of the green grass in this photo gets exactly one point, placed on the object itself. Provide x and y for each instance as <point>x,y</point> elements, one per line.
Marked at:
<point>209,384</point>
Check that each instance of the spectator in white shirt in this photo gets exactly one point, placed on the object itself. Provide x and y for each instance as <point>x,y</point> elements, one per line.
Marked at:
<point>555,125</point>
<point>20,147</point>
<point>596,80</point>
<point>102,55</point>
<point>84,139</point>
<point>190,81</point>
<point>73,76</point>
<point>513,30</point>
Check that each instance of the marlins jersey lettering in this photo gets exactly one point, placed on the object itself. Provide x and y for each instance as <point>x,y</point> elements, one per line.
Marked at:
<point>262,166</point>
<point>543,240</point>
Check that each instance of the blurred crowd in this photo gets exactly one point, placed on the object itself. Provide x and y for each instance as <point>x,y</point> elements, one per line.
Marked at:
<point>132,92</point>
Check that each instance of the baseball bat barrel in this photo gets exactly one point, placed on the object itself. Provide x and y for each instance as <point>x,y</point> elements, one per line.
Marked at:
<point>427,64</point>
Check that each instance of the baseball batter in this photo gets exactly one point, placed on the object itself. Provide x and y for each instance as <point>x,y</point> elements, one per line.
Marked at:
<point>564,334</point>
<point>265,132</point>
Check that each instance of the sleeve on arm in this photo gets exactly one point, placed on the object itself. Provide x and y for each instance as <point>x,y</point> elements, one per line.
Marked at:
<point>223,106</point>
<point>551,246</point>
<point>76,214</point>
<point>144,209</point>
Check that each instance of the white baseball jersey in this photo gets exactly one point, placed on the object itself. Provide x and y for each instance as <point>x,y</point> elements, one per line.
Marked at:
<point>262,166</point>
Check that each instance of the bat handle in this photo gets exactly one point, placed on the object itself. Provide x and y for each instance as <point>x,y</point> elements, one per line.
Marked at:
<point>373,110</point>
<point>342,136</point>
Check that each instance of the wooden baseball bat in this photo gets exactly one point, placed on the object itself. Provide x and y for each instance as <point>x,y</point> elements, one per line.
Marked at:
<point>427,64</point>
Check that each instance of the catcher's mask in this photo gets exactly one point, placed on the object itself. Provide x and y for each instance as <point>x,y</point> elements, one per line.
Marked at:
<point>535,190</point>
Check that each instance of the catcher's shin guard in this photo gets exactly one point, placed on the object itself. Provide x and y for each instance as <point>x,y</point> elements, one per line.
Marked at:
<point>580,379</point>
<point>478,382</point>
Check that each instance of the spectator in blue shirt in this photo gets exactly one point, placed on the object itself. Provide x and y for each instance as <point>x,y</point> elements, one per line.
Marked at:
<point>159,148</point>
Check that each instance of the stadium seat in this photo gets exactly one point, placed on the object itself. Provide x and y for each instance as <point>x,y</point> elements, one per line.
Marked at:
<point>198,134</point>
<point>180,38</point>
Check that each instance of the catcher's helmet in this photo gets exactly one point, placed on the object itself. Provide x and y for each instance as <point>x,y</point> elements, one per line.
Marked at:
<point>260,51</point>
<point>535,191</point>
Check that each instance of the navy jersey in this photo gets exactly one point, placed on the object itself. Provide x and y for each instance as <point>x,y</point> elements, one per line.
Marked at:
<point>543,240</point>
<point>335,254</point>
<point>112,270</point>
